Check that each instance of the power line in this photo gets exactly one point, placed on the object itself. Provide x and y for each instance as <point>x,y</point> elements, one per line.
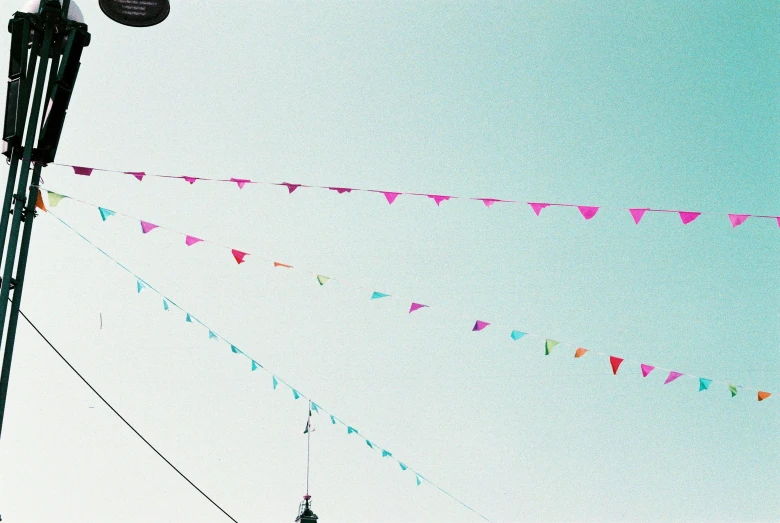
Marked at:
<point>123,419</point>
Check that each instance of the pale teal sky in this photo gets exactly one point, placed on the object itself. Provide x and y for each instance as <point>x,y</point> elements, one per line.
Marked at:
<point>667,105</point>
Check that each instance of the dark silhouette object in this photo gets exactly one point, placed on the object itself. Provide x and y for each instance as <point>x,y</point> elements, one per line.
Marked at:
<point>305,514</point>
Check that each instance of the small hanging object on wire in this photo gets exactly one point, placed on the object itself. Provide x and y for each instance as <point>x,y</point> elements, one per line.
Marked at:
<point>305,514</point>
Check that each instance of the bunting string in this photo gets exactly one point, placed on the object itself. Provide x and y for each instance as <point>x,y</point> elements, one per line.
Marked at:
<point>478,326</point>
<point>586,211</point>
<point>276,380</point>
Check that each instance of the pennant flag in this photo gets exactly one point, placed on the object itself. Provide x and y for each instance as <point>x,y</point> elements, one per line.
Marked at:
<point>370,445</point>
<point>296,395</point>
<point>39,202</point>
<point>688,217</point>
<point>488,201</point>
<point>332,419</point>
<point>738,219</point>
<point>275,382</point>
<point>704,384</point>
<point>188,318</point>
<point>672,376</point>
<point>322,279</point>
<point>83,171</point>
<point>580,352</point>
<point>516,335</point>
<point>778,220</point>
<point>637,214</point>
<point>238,255</point>
<point>417,477</point>
<point>277,264</point>
<point>309,426</point>
<point>646,369</point>
<point>390,196</point>
<point>480,325</point>
<point>386,454</point>
<point>212,336</point>
<point>587,212</point>
<point>548,346</point>
<point>315,407</point>
<point>191,240</point>
<point>105,213</point>
<point>165,305</point>
<point>235,350</point>
<point>140,285</point>
<point>615,362</point>
<point>350,430</point>
<point>733,390</point>
<point>190,179</point>
<point>240,182</point>
<point>377,295</point>
<point>55,199</point>
<point>763,395</point>
<point>139,175</point>
<point>340,190</point>
<point>403,467</point>
<point>290,186</point>
<point>438,198</point>
<point>537,207</point>
<point>255,365</point>
<point>146,226</point>
<point>416,306</point>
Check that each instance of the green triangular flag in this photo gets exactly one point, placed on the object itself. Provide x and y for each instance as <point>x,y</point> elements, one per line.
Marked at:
<point>548,346</point>
<point>55,199</point>
<point>322,279</point>
<point>733,390</point>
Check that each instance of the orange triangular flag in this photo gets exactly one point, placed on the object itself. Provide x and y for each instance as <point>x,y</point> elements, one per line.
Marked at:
<point>763,395</point>
<point>277,264</point>
<point>39,202</point>
<point>579,353</point>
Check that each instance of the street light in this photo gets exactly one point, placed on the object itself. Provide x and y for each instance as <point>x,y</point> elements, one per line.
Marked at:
<point>57,35</point>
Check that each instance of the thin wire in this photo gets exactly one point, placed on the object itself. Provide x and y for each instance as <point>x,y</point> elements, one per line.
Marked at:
<point>308,448</point>
<point>123,419</point>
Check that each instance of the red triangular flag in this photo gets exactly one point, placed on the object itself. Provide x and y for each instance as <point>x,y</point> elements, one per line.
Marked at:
<point>763,395</point>
<point>238,255</point>
<point>615,362</point>
<point>580,352</point>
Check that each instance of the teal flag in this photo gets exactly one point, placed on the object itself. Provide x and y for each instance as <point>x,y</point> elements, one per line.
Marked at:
<point>188,318</point>
<point>403,467</point>
<point>165,305</point>
<point>315,407</point>
<point>516,335</point>
<point>704,384</point>
<point>255,365</point>
<point>350,430</point>
<point>276,382</point>
<point>140,285</point>
<point>370,445</point>
<point>378,295</point>
<point>235,350</point>
<point>295,394</point>
<point>386,454</point>
<point>332,419</point>
<point>105,213</point>
<point>418,480</point>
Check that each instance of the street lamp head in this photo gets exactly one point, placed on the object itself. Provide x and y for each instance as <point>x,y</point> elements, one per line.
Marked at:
<point>74,13</point>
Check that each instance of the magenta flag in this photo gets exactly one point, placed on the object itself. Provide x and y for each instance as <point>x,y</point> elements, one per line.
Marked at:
<point>615,362</point>
<point>587,212</point>
<point>646,369</point>
<point>191,240</point>
<point>291,186</point>
<point>738,219</point>
<point>637,214</point>
<point>391,196</point>
<point>189,179</point>
<point>537,207</point>
<point>488,201</point>
<point>687,217</point>
<point>139,175</point>
<point>83,171</point>
<point>238,255</point>
<point>672,376</point>
<point>146,226</point>
<point>240,182</point>
<point>480,325</point>
<point>340,190</point>
<point>416,306</point>
<point>778,220</point>
<point>438,198</point>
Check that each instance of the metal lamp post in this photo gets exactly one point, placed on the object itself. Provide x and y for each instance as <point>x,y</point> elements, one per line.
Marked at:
<point>46,45</point>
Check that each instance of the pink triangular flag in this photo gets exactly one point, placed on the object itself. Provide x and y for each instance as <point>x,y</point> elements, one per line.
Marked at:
<point>438,198</point>
<point>672,376</point>
<point>480,325</point>
<point>340,190</point>
<point>238,255</point>
<point>738,219</point>
<point>83,171</point>
<point>240,182</point>
<point>189,179</point>
<point>587,212</point>
<point>488,201</point>
<point>290,186</point>
<point>416,306</point>
<point>615,362</point>
<point>687,216</point>
<point>191,240</point>
<point>139,175</point>
<point>537,207</point>
<point>646,369</point>
<point>778,220</point>
<point>637,214</point>
<point>146,226</point>
<point>391,196</point>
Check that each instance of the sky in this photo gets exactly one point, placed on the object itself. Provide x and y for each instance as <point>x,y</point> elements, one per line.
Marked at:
<point>668,105</point>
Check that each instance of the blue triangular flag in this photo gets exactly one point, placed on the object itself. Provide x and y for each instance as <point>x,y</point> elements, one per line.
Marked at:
<point>212,336</point>
<point>350,430</point>
<point>371,445</point>
<point>188,318</point>
<point>165,305</point>
<point>105,213</point>
<point>235,350</point>
<point>418,479</point>
<point>378,295</point>
<point>140,285</point>
<point>386,453</point>
<point>704,384</point>
<point>295,394</point>
<point>516,335</point>
<point>255,365</point>
<point>315,407</point>
<point>403,467</point>
<point>276,383</point>
<point>332,419</point>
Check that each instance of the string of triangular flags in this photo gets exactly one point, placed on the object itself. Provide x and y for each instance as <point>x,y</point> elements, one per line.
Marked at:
<point>276,380</point>
<point>479,325</point>
<point>587,211</point>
